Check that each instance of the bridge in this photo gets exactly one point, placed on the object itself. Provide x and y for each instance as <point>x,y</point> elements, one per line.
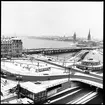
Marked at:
<point>48,51</point>
<point>88,79</point>
<point>90,82</point>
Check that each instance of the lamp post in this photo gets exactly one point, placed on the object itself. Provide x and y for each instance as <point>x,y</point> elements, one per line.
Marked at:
<point>69,77</point>
<point>18,78</point>
<point>64,64</point>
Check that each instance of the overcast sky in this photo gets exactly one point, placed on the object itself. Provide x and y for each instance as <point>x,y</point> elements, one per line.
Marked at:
<point>52,18</point>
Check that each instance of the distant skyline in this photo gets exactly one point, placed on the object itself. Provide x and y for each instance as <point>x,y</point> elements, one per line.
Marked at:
<point>52,18</point>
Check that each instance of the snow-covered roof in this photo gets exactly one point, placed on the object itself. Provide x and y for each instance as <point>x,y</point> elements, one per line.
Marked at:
<point>94,54</point>
<point>15,38</point>
<point>10,86</point>
<point>32,87</point>
<point>36,88</point>
<point>90,60</point>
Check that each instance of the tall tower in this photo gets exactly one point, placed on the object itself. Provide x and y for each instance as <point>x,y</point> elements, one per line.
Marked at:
<point>89,36</point>
<point>74,37</point>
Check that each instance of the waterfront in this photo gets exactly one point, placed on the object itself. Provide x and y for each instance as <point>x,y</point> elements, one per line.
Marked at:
<point>29,43</point>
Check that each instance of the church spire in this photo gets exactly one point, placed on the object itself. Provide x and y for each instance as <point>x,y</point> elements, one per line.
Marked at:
<point>89,36</point>
<point>74,36</point>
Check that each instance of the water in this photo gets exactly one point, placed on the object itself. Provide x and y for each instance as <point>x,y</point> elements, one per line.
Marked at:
<point>29,43</point>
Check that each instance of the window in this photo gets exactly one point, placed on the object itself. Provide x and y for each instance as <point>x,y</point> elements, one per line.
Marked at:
<point>36,98</point>
<point>31,95</point>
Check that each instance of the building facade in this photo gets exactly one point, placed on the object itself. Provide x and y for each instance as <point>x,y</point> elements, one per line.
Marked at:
<point>11,47</point>
<point>90,65</point>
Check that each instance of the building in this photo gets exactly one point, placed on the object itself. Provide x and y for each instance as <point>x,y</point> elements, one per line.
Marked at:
<point>11,47</point>
<point>40,92</point>
<point>90,65</point>
<point>74,37</point>
<point>89,36</point>
<point>32,91</point>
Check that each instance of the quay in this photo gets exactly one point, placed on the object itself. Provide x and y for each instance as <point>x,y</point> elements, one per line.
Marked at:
<point>48,51</point>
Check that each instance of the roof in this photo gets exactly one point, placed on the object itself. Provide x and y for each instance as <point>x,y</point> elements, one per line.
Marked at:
<point>15,38</point>
<point>32,87</point>
<point>101,65</point>
<point>35,88</point>
<point>94,54</point>
<point>90,60</point>
<point>10,86</point>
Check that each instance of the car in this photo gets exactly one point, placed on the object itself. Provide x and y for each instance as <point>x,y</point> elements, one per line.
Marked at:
<point>87,72</point>
<point>19,78</point>
<point>4,76</point>
<point>48,101</point>
<point>37,82</point>
<point>12,75</point>
<point>49,60</point>
<point>45,74</point>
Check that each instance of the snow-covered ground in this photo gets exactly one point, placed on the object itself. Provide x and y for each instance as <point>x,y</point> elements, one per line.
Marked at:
<point>95,55</point>
<point>16,68</point>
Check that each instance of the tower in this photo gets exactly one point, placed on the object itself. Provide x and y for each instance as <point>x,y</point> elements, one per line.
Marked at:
<point>89,36</point>
<point>74,37</point>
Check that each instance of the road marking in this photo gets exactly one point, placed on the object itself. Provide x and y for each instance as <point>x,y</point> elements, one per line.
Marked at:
<point>65,96</point>
<point>76,100</point>
<point>88,75</point>
<point>63,91</point>
<point>88,97</point>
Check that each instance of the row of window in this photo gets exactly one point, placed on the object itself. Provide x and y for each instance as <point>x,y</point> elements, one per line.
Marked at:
<point>5,43</point>
<point>90,63</point>
<point>11,45</point>
<point>43,69</point>
<point>89,68</point>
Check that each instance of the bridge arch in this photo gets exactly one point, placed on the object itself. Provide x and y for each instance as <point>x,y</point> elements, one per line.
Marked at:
<point>88,82</point>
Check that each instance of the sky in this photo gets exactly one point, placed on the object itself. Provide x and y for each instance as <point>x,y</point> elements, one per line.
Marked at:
<point>52,18</point>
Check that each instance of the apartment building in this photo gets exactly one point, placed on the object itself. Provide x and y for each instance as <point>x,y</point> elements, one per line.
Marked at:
<point>11,46</point>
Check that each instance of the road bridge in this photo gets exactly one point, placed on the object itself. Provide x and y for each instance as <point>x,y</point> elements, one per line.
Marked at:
<point>87,81</point>
<point>91,80</point>
<point>71,68</point>
<point>48,51</point>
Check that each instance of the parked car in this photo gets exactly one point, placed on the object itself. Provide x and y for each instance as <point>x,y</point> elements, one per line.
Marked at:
<point>12,75</point>
<point>86,71</point>
<point>49,60</point>
<point>4,76</point>
<point>19,78</point>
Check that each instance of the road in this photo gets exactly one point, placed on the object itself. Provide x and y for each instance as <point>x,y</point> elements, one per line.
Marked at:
<point>44,78</point>
<point>9,99</point>
<point>70,95</point>
<point>71,69</point>
<point>98,79</point>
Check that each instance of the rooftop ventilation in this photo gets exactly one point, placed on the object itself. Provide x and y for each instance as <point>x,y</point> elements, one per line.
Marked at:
<point>38,82</point>
<point>90,59</point>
